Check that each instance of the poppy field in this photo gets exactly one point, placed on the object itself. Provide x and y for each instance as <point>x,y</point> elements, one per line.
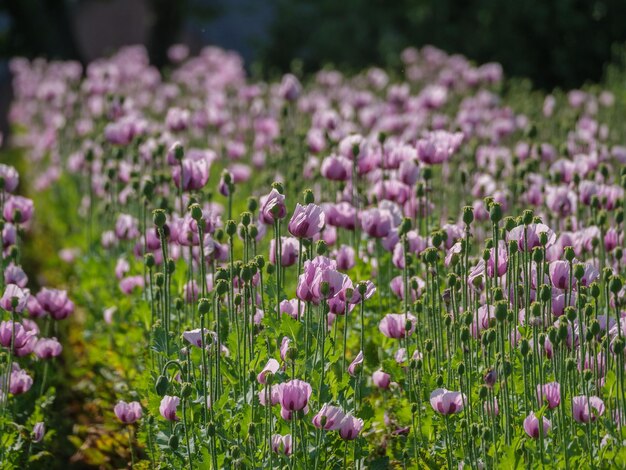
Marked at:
<point>411,268</point>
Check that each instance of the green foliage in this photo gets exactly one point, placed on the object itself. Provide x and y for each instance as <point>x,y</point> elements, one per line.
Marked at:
<point>555,43</point>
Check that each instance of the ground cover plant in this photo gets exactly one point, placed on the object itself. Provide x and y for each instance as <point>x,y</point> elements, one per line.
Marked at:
<point>399,269</point>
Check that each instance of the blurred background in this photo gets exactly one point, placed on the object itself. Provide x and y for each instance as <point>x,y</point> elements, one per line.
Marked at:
<point>554,43</point>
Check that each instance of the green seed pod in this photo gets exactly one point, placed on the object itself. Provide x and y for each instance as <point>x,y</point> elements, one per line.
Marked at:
<point>594,290</point>
<point>231,228</point>
<point>498,294</point>
<point>552,335</point>
<point>178,304</point>
<point>196,212</point>
<point>148,189</point>
<point>405,226</point>
<point>460,369</point>
<point>278,186</point>
<point>509,223</point>
<point>545,293</point>
<point>595,328</point>
<point>204,306</point>
<point>495,213</point>
<point>221,287</point>
<point>615,285</point>
<point>437,238</point>
<point>321,248</point>
<point>270,269</point>
<point>579,271</point>
<point>159,218</point>
<point>308,196</point>
<point>524,347</point>
<point>542,339</point>
<point>246,218</point>
<point>292,353</point>
<point>501,310</point>
<point>527,217</point>
<point>570,313</point>
<point>159,279</point>
<point>535,309</point>
<point>439,380</point>
<point>427,173</point>
<point>245,274</point>
<point>149,260</point>
<point>253,204</point>
<point>468,215</point>
<point>430,255</point>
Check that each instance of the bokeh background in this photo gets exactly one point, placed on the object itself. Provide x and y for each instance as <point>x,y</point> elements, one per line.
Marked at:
<point>554,43</point>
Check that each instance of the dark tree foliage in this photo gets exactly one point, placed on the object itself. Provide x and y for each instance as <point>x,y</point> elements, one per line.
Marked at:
<point>554,42</point>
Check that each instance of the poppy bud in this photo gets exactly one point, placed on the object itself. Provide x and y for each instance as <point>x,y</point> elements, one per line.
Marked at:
<point>186,390</point>
<point>231,228</point>
<point>161,385</point>
<point>527,217</point>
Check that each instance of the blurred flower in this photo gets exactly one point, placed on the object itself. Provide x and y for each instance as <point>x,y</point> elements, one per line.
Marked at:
<point>447,402</point>
<point>306,221</point>
<point>168,407</point>
<point>587,409</point>
<point>531,425</point>
<point>128,413</point>
<point>39,430</point>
